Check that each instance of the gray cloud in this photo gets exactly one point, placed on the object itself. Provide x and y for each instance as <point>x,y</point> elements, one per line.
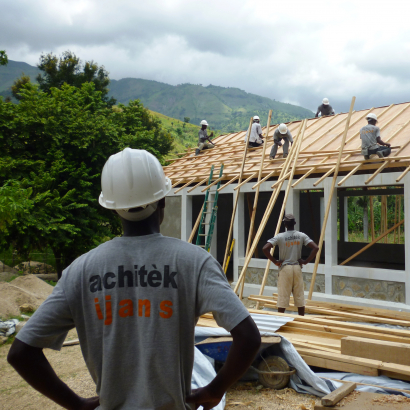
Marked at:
<point>297,52</point>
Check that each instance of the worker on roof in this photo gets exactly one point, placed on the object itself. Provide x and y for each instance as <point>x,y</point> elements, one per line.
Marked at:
<point>134,301</point>
<point>256,136</point>
<point>290,278</point>
<point>325,108</point>
<point>203,140</point>
<point>372,144</point>
<point>281,133</point>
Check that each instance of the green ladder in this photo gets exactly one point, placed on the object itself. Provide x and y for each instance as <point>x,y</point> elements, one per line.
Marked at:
<point>205,212</point>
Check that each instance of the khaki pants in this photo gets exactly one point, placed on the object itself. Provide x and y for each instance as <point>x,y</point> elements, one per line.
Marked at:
<point>204,144</point>
<point>290,280</point>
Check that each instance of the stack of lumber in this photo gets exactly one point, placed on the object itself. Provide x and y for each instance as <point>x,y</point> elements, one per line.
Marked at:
<point>330,339</point>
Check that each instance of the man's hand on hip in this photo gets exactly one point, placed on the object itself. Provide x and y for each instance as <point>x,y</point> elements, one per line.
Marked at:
<point>204,397</point>
<point>301,262</point>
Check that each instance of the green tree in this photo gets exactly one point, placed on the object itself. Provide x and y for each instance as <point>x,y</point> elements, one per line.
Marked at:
<point>69,69</point>
<point>3,58</point>
<point>18,85</point>
<point>186,119</point>
<point>52,148</point>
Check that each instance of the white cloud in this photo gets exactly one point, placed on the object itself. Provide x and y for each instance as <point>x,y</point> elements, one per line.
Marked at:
<point>294,51</point>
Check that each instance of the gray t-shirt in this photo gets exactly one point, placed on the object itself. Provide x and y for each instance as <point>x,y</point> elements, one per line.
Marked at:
<point>277,135</point>
<point>290,246</point>
<point>369,134</point>
<point>255,131</point>
<point>135,302</point>
<point>202,135</point>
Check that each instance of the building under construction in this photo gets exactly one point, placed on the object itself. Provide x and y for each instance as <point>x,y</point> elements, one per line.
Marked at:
<point>254,191</point>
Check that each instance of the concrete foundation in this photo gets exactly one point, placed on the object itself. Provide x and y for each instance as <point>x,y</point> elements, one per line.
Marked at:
<point>369,289</point>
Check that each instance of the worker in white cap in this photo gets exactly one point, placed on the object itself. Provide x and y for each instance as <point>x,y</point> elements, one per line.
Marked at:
<point>281,133</point>
<point>256,136</point>
<point>290,277</point>
<point>134,301</point>
<point>325,108</point>
<point>372,144</point>
<point>204,141</point>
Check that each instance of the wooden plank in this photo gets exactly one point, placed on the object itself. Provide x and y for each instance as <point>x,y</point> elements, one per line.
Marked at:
<point>339,366</point>
<point>228,183</point>
<point>185,185</point>
<point>228,242</point>
<point>373,242</point>
<point>333,398</point>
<point>403,174</point>
<point>195,228</point>
<point>264,221</point>
<point>322,235</point>
<point>376,349</point>
<point>71,342</point>
<point>255,201</point>
<point>282,211</point>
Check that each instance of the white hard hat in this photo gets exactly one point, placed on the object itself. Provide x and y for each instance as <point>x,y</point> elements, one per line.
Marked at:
<point>283,129</point>
<point>371,116</point>
<point>203,122</point>
<point>133,178</point>
<point>256,117</point>
<point>325,101</point>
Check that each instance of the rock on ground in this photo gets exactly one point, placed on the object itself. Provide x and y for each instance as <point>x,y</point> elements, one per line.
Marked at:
<point>34,267</point>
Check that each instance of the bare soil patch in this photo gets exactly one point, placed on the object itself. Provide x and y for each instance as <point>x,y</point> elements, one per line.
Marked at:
<point>23,289</point>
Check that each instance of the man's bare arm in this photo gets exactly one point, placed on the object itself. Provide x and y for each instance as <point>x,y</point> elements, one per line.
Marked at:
<point>380,142</point>
<point>266,250</point>
<point>313,253</point>
<point>31,364</point>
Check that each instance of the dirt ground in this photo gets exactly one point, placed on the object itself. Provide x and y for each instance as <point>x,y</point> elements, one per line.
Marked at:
<point>15,394</point>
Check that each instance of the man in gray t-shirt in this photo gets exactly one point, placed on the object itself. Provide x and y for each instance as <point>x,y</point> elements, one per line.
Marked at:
<point>134,302</point>
<point>282,132</point>
<point>204,142</point>
<point>372,144</point>
<point>290,279</point>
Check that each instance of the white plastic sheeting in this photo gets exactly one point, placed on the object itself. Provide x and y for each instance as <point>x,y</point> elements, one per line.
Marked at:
<point>304,381</point>
<point>202,374</point>
<point>8,328</point>
<point>383,381</point>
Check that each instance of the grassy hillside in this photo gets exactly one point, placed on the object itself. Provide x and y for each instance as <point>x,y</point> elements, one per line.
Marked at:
<point>227,109</point>
<point>185,134</point>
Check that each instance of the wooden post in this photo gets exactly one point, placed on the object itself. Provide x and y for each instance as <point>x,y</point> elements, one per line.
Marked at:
<point>194,229</point>
<point>282,211</point>
<point>255,201</point>
<point>384,212</point>
<point>228,242</point>
<point>372,216</point>
<point>322,234</point>
<point>264,221</point>
<point>372,242</point>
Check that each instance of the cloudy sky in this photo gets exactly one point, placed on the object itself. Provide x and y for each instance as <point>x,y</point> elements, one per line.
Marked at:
<point>294,51</point>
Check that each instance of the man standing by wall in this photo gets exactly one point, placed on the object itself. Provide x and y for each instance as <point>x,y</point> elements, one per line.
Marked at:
<point>256,137</point>
<point>372,144</point>
<point>135,301</point>
<point>290,278</point>
<point>203,140</point>
<point>282,132</point>
<point>325,108</point>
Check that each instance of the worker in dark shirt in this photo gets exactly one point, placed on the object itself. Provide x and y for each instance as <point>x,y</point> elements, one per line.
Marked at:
<point>325,108</point>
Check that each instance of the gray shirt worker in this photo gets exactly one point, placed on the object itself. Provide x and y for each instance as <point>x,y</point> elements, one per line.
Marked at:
<point>369,134</point>
<point>325,110</point>
<point>135,311</point>
<point>278,136</point>
<point>202,135</point>
<point>290,246</point>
